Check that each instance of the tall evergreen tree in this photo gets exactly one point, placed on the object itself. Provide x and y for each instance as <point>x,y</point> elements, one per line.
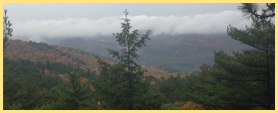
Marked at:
<point>77,96</point>
<point>10,87</point>
<point>7,30</point>
<point>21,85</point>
<point>130,43</point>
<point>247,79</point>
<point>260,62</point>
<point>73,96</point>
<point>110,86</point>
<point>128,74</point>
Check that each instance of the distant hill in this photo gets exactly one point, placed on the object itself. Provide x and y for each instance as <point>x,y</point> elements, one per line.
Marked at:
<point>43,52</point>
<point>173,53</point>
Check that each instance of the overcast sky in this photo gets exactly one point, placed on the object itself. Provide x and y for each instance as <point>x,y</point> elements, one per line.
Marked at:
<point>91,19</point>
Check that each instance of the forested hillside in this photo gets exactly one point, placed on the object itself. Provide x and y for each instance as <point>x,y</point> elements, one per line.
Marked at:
<point>37,85</point>
<point>174,53</point>
<point>43,52</point>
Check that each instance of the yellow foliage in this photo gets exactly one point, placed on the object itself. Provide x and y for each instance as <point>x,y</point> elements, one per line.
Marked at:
<point>46,72</point>
<point>83,80</point>
<point>61,54</point>
<point>64,77</point>
<point>92,87</point>
<point>100,103</point>
<point>152,82</point>
<point>191,106</point>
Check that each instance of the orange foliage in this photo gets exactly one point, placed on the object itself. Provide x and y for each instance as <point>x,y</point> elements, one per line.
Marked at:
<point>43,52</point>
<point>191,106</point>
<point>99,104</point>
<point>83,80</point>
<point>158,73</point>
<point>92,87</point>
<point>46,72</point>
<point>65,77</point>
<point>43,91</point>
<point>49,73</point>
<point>152,82</point>
<point>77,58</point>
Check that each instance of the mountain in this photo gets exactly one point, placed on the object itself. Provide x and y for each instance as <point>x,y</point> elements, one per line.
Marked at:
<point>185,53</point>
<point>43,52</point>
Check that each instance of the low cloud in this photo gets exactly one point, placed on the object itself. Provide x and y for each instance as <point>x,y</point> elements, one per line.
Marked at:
<point>83,27</point>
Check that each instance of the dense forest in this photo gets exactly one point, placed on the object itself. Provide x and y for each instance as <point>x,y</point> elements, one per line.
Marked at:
<point>38,76</point>
<point>39,51</point>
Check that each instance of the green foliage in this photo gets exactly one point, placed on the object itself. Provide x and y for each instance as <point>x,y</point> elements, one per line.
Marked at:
<point>14,106</point>
<point>7,30</point>
<point>177,88</point>
<point>149,98</point>
<point>77,95</point>
<point>118,84</point>
<point>259,35</point>
<point>130,43</point>
<point>245,80</point>
<point>72,97</point>
<point>217,89</point>
<point>27,87</point>
<point>177,91</point>
<point>173,89</point>
<point>31,95</point>
<point>21,88</point>
<point>252,9</point>
<point>259,63</point>
<point>109,86</point>
<point>112,90</point>
<point>172,106</point>
<point>10,89</point>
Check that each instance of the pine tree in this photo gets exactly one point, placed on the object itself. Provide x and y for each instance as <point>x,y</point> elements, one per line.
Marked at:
<point>128,73</point>
<point>259,62</point>
<point>252,9</point>
<point>245,80</point>
<point>73,96</point>
<point>10,87</point>
<point>7,30</point>
<point>111,86</point>
<point>130,43</point>
<point>77,96</point>
<point>21,85</point>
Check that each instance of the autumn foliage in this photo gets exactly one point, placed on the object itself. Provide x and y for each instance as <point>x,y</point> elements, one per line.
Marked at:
<point>43,52</point>
<point>191,106</point>
<point>77,58</point>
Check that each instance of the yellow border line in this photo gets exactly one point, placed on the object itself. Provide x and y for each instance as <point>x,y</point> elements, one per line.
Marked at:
<point>136,1</point>
<point>1,62</point>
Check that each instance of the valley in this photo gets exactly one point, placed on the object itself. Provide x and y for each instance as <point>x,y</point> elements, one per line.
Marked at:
<point>174,53</point>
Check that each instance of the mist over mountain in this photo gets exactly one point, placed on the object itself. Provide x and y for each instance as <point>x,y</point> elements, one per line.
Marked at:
<point>174,53</point>
<point>138,56</point>
<point>204,23</point>
<point>178,42</point>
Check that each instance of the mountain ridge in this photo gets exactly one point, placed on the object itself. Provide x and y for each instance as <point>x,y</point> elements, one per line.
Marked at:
<point>175,53</point>
<point>43,52</point>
